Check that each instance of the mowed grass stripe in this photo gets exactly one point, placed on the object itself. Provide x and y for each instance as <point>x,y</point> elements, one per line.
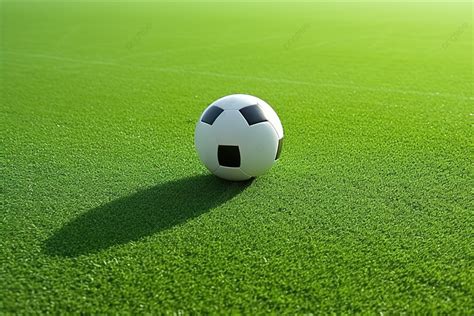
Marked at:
<point>180,70</point>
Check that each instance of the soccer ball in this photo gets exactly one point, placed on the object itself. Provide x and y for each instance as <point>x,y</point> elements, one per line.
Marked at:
<point>238,137</point>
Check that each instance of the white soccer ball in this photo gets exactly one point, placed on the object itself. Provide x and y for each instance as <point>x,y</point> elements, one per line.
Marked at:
<point>238,137</point>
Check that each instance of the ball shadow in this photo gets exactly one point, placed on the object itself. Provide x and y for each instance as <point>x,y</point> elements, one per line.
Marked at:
<point>142,214</point>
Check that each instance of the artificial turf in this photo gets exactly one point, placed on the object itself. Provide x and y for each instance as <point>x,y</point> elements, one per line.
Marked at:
<point>106,207</point>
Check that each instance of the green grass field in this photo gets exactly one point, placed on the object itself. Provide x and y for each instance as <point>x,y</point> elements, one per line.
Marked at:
<point>106,207</point>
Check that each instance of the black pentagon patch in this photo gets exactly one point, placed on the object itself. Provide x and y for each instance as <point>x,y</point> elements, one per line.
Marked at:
<point>253,114</point>
<point>280,144</point>
<point>211,115</point>
<point>228,156</point>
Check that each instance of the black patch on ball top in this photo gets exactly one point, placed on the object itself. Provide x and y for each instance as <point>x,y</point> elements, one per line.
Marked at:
<point>280,144</point>
<point>211,115</point>
<point>253,114</point>
<point>228,156</point>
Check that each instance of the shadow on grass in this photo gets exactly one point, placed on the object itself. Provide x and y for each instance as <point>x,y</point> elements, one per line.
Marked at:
<point>141,214</point>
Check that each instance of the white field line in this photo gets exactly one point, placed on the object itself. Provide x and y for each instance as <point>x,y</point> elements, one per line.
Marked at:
<point>392,90</point>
